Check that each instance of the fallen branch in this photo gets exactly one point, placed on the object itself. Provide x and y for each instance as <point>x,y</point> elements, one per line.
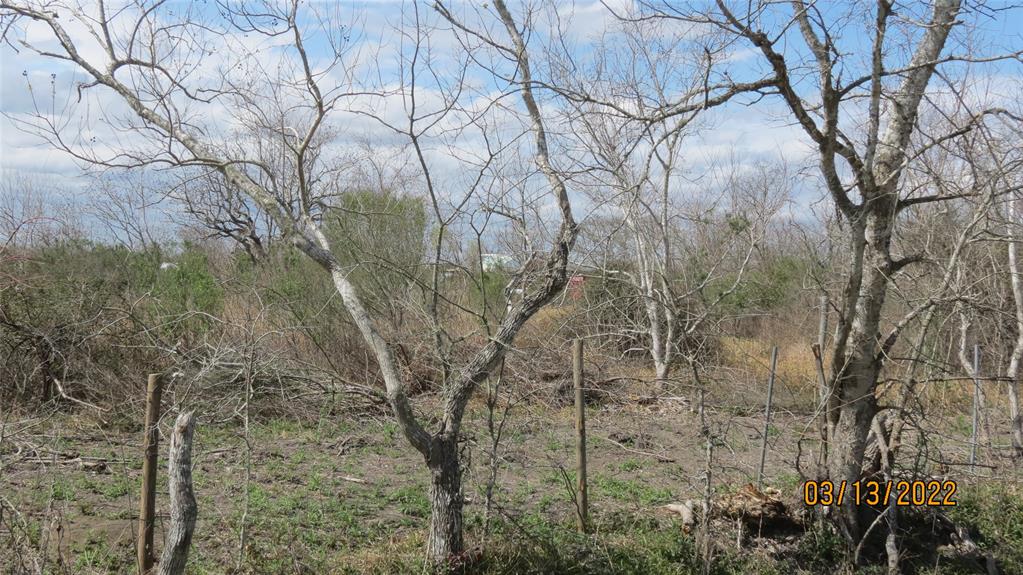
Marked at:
<point>660,458</point>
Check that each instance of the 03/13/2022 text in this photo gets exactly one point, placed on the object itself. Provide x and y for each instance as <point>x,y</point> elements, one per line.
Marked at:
<point>904,493</point>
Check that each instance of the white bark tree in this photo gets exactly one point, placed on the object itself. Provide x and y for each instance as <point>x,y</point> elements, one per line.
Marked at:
<point>999,164</point>
<point>637,105</point>
<point>1013,372</point>
<point>630,102</point>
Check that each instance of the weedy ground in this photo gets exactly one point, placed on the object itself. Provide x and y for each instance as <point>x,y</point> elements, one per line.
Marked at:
<point>346,494</point>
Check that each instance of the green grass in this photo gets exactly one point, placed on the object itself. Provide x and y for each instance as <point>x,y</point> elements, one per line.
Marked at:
<point>115,487</point>
<point>304,519</point>
<point>63,490</point>
<point>411,501</point>
<point>299,456</point>
<point>97,554</point>
<point>629,490</point>
<point>555,445</point>
<point>630,465</point>
<point>995,511</point>
<point>787,482</point>
<point>534,545</point>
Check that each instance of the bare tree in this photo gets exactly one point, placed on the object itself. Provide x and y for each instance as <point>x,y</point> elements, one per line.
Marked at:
<point>997,169</point>
<point>224,212</point>
<point>862,121</point>
<point>1007,167</point>
<point>645,90</point>
<point>150,58</point>
<point>127,205</point>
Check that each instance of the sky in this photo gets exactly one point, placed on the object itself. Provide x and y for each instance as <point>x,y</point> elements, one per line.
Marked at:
<point>376,36</point>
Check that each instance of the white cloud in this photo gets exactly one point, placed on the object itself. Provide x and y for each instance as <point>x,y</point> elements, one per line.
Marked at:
<point>733,133</point>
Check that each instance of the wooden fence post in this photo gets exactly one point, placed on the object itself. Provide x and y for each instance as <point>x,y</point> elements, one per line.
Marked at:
<point>582,502</point>
<point>183,509</point>
<point>147,500</point>
<point>767,416</point>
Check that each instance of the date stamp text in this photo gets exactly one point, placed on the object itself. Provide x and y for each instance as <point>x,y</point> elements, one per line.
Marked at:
<point>881,493</point>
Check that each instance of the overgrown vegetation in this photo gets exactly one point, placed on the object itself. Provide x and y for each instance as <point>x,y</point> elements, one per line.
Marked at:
<point>780,240</point>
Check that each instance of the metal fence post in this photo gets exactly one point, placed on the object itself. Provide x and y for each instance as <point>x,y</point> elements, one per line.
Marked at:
<point>767,416</point>
<point>976,407</point>
<point>582,502</point>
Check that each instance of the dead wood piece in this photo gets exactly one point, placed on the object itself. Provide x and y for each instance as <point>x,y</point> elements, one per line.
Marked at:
<point>614,438</point>
<point>99,466</point>
<point>183,509</point>
<point>755,507</point>
<point>687,510</point>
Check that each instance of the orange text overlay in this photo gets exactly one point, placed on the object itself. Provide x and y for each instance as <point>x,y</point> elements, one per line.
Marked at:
<point>880,493</point>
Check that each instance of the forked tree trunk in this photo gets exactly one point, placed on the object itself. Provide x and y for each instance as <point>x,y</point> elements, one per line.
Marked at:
<point>857,363</point>
<point>304,231</point>
<point>857,360</point>
<point>445,501</point>
<point>660,344</point>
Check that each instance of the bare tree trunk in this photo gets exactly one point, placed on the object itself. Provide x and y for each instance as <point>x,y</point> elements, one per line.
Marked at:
<point>706,550</point>
<point>856,364</point>
<point>494,429</point>
<point>445,500</point>
<point>662,371</point>
<point>660,345</point>
<point>1016,420</point>
<point>850,440</point>
<point>183,509</point>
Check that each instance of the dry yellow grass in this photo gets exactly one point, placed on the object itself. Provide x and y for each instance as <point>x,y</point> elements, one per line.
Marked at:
<point>796,368</point>
<point>795,361</point>
<point>545,326</point>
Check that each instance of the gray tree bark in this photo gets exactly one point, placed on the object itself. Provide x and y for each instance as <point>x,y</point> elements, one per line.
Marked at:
<point>183,509</point>
<point>858,360</point>
<point>445,540</point>
<point>877,171</point>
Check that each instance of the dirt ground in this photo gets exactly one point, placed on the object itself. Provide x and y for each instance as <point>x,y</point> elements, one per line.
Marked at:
<point>322,490</point>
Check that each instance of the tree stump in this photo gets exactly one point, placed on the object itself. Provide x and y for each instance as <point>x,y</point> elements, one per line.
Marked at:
<point>183,509</point>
